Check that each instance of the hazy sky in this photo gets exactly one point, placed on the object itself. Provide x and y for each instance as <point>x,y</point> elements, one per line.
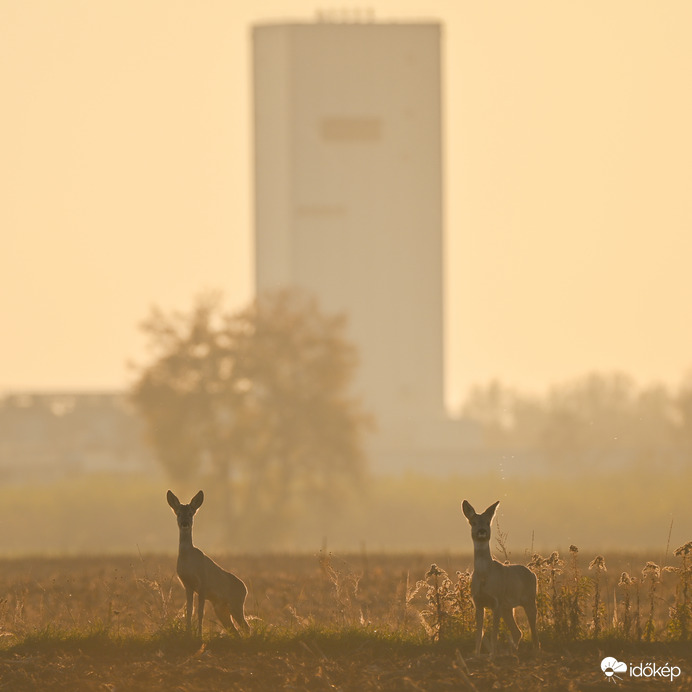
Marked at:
<point>125,181</point>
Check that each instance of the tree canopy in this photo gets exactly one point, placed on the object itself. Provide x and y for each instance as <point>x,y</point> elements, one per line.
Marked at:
<point>259,400</point>
<point>590,423</point>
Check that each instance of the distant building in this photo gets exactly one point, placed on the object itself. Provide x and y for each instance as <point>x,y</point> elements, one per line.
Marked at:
<point>348,204</point>
<point>49,435</point>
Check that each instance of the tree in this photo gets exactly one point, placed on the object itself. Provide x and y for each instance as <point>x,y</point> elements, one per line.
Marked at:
<point>258,400</point>
<point>588,423</point>
<point>683,406</point>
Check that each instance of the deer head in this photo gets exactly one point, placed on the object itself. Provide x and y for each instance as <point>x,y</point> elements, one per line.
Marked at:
<point>480,523</point>
<point>185,513</point>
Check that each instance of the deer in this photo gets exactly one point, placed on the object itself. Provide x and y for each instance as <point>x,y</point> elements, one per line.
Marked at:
<point>199,574</point>
<point>500,588</point>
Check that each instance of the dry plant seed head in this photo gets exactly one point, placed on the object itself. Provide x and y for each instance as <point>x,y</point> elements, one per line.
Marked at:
<point>652,574</point>
<point>555,563</point>
<point>536,563</point>
<point>464,582</point>
<point>598,564</point>
<point>433,571</point>
<point>625,580</point>
<point>346,583</point>
<point>683,549</point>
<point>501,542</point>
<point>573,549</point>
<point>651,571</point>
<point>448,611</point>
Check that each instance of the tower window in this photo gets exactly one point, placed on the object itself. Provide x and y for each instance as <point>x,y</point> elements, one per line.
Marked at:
<point>351,129</point>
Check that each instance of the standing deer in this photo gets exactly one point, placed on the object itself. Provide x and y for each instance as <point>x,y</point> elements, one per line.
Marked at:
<point>501,588</point>
<point>199,573</point>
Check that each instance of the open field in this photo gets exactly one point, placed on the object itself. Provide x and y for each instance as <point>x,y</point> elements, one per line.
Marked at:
<point>321,622</point>
<point>84,514</point>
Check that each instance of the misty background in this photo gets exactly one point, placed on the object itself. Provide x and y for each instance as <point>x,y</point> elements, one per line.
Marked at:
<point>563,226</point>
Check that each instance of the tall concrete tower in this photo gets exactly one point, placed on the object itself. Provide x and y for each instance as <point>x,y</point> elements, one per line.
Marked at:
<point>348,195</point>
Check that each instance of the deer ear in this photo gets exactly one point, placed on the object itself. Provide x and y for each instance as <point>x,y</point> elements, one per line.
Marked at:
<point>469,512</point>
<point>491,510</point>
<point>173,501</point>
<point>196,501</point>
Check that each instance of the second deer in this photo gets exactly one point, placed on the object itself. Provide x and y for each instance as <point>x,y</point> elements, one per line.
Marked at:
<point>200,574</point>
<point>500,588</point>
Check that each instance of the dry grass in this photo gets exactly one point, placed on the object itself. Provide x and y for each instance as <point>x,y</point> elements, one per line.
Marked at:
<point>365,622</point>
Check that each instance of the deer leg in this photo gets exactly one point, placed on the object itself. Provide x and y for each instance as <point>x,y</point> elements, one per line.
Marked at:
<point>223,612</point>
<point>515,632</point>
<point>200,611</point>
<point>480,615</point>
<point>239,617</point>
<point>496,629</point>
<point>189,594</point>
<point>530,610</point>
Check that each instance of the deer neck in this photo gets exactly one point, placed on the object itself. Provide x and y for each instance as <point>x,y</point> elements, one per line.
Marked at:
<point>185,540</point>
<point>482,559</point>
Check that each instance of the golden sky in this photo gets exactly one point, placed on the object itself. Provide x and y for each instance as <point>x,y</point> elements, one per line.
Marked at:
<point>125,181</point>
